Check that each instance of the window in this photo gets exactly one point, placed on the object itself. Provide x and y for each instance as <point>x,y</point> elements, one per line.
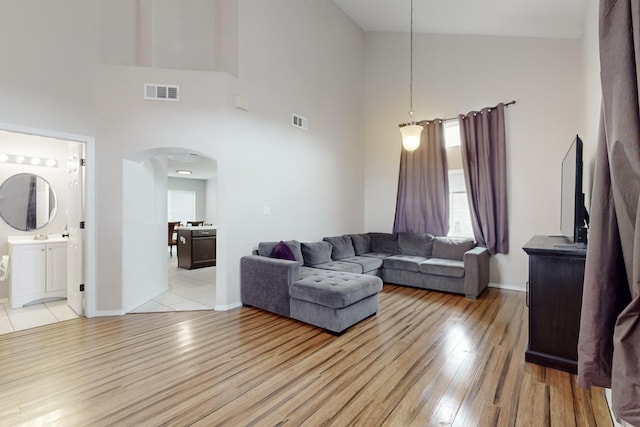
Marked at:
<point>181,205</point>
<point>459,216</point>
<point>452,133</point>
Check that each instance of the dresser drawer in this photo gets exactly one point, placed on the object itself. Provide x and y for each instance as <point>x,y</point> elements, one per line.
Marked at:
<point>203,233</point>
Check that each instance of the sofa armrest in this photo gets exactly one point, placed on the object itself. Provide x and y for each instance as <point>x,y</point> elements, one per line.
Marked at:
<point>264,282</point>
<point>476,271</point>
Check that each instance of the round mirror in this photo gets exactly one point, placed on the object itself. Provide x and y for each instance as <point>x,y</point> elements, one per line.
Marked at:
<point>27,201</point>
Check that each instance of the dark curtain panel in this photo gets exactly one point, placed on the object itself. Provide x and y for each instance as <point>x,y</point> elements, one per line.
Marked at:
<point>31,205</point>
<point>484,162</point>
<point>422,205</point>
<point>609,343</point>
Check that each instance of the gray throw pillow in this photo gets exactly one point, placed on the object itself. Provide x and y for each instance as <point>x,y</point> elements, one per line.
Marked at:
<point>316,253</point>
<point>342,247</point>
<point>418,244</point>
<point>386,243</point>
<point>361,243</point>
<point>266,249</point>
<point>450,248</point>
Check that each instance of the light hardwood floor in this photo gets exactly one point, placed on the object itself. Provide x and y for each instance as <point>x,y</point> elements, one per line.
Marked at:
<point>426,359</point>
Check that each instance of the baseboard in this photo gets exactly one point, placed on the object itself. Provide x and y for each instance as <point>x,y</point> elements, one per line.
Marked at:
<point>507,287</point>
<point>107,313</point>
<point>228,306</point>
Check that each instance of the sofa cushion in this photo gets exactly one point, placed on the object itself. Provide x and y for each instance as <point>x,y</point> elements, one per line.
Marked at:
<point>419,244</point>
<point>282,251</point>
<point>384,242</point>
<point>335,289</point>
<point>404,262</point>
<point>379,255</point>
<point>361,243</point>
<point>316,253</point>
<point>340,265</point>
<point>367,263</point>
<point>342,247</point>
<point>450,248</point>
<point>442,267</point>
<point>266,249</point>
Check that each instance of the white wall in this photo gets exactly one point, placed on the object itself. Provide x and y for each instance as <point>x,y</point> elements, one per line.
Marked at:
<point>304,57</point>
<point>312,181</point>
<point>196,123</point>
<point>457,74</point>
<point>211,197</point>
<point>46,78</point>
<point>592,94</point>
<point>196,185</point>
<point>144,231</point>
<point>188,34</point>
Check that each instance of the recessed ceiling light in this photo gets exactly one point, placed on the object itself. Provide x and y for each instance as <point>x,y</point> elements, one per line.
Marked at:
<point>3,157</point>
<point>51,162</point>
<point>19,159</point>
<point>35,161</point>
<point>183,172</point>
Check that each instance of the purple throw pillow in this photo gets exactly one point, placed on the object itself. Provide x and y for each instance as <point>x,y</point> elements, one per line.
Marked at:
<point>283,251</point>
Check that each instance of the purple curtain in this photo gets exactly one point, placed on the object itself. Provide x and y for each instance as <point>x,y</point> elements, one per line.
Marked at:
<point>31,205</point>
<point>484,162</point>
<point>422,205</point>
<point>609,342</point>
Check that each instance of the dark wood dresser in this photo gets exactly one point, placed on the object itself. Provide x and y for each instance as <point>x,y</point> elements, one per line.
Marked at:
<point>196,247</point>
<point>554,297</point>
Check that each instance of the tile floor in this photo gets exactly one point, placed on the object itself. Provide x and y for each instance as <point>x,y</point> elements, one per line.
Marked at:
<point>188,290</point>
<point>17,319</point>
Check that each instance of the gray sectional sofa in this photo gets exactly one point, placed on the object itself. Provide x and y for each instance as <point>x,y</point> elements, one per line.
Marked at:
<point>335,283</point>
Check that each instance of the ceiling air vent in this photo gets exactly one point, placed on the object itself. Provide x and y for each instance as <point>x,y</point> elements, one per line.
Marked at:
<point>299,121</point>
<point>161,92</point>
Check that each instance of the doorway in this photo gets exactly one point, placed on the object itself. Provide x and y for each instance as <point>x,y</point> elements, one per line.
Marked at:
<point>149,178</point>
<point>35,145</point>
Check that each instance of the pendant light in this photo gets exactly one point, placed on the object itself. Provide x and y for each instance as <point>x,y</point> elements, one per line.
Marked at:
<point>411,131</point>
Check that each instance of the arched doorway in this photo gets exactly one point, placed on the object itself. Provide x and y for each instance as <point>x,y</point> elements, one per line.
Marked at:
<point>152,281</point>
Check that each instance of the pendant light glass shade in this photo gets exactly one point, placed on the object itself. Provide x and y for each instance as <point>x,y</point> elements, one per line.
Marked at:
<point>411,136</point>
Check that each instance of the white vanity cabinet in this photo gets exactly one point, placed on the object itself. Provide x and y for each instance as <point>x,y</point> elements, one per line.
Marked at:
<point>38,271</point>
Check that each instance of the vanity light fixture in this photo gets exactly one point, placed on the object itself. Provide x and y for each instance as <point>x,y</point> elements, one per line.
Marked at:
<point>31,160</point>
<point>183,172</point>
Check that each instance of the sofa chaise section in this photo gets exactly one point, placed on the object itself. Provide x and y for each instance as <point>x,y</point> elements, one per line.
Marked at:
<point>334,300</point>
<point>324,297</point>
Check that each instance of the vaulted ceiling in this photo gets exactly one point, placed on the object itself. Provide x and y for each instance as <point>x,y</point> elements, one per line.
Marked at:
<point>528,18</point>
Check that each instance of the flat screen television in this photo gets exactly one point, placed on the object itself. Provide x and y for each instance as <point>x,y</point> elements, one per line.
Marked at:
<point>574,220</point>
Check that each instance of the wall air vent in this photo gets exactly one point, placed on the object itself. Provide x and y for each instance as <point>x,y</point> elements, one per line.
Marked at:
<point>299,121</point>
<point>161,92</point>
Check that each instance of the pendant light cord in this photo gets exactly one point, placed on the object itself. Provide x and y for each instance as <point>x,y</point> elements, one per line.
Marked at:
<point>411,64</point>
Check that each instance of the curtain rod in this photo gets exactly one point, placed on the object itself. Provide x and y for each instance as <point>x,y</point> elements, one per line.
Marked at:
<point>506,104</point>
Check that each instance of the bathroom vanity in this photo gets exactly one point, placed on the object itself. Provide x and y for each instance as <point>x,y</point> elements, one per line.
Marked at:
<point>38,269</point>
